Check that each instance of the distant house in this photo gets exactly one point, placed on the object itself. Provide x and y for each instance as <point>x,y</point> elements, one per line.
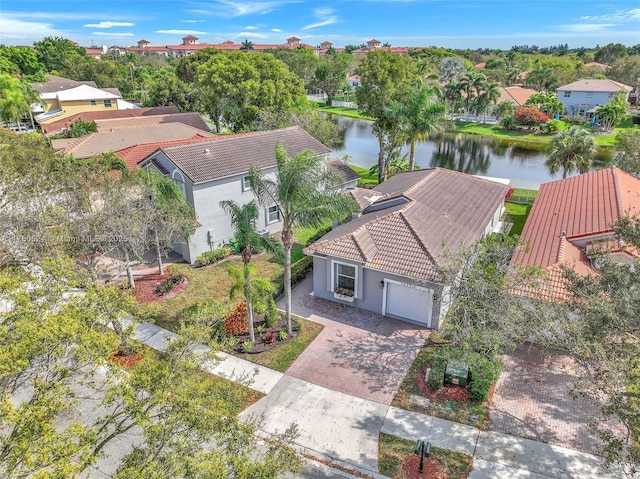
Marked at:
<point>211,171</point>
<point>582,98</point>
<point>354,80</point>
<point>61,98</point>
<point>390,259</point>
<point>515,94</point>
<point>572,219</point>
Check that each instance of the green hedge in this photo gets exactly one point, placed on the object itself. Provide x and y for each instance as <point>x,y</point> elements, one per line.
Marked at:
<point>210,257</point>
<point>319,234</point>
<point>299,270</point>
<point>436,375</point>
<point>484,373</point>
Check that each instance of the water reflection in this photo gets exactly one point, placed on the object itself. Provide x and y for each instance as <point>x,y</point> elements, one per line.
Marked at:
<point>521,162</point>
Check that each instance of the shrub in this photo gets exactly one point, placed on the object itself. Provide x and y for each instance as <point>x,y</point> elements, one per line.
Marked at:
<point>299,270</point>
<point>167,284</point>
<point>552,126</point>
<point>508,122</point>
<point>574,119</point>
<point>268,338</point>
<point>436,375</point>
<point>247,346</point>
<point>484,373</point>
<point>530,117</point>
<point>209,257</point>
<point>282,335</point>
<point>272,315</point>
<point>319,234</point>
<point>237,322</point>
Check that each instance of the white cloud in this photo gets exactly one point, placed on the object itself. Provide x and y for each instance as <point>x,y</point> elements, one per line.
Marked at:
<point>109,24</point>
<point>61,16</point>
<point>326,17</point>
<point>192,21</point>
<point>619,16</point>
<point>15,31</point>
<point>587,27</point>
<point>181,32</point>
<point>250,27</point>
<point>229,8</point>
<point>277,30</point>
<point>105,34</point>
<point>261,36</point>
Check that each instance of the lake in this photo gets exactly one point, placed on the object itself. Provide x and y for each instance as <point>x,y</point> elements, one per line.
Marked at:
<point>521,162</point>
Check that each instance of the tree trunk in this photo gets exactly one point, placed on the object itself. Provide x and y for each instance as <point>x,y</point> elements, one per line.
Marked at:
<point>412,154</point>
<point>287,243</point>
<point>381,168</point>
<point>132,283</point>
<point>247,295</point>
<point>158,253</point>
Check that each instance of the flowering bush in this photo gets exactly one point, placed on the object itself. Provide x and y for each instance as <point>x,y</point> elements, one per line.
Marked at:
<point>237,322</point>
<point>530,117</point>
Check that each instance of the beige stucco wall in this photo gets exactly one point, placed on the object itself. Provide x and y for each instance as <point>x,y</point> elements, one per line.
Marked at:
<point>70,108</point>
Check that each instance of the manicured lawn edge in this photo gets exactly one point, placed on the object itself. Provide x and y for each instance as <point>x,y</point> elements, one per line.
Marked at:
<point>283,356</point>
<point>393,450</point>
<point>342,111</point>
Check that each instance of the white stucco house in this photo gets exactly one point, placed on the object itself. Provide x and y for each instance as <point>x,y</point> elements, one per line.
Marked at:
<point>211,171</point>
<point>583,97</point>
<point>390,259</point>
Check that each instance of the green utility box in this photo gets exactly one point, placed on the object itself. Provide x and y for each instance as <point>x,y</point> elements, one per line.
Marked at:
<point>457,372</point>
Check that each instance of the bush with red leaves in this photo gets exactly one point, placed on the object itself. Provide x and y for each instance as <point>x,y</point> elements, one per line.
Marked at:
<point>237,322</point>
<point>530,117</point>
<point>510,193</point>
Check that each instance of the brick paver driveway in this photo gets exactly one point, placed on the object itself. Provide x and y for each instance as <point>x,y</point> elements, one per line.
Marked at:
<point>532,399</point>
<point>359,353</point>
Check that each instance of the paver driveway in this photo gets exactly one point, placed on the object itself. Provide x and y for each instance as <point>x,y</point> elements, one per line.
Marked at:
<point>532,399</point>
<point>359,353</point>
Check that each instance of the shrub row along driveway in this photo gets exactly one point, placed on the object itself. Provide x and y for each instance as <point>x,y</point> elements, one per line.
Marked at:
<point>359,353</point>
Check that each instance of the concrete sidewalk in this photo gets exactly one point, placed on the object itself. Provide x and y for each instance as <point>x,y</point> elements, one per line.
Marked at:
<point>344,429</point>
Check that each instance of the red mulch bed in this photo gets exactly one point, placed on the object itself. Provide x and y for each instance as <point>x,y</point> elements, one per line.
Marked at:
<point>145,290</point>
<point>448,392</point>
<point>433,468</point>
<point>126,361</point>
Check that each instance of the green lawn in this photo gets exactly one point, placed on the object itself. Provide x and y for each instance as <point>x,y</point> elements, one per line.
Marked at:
<point>283,356</point>
<point>367,180</point>
<point>300,237</point>
<point>392,452</point>
<point>452,410</point>
<point>518,215</point>
<point>342,111</point>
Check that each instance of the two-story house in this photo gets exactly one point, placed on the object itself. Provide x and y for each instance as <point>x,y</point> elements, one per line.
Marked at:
<point>209,172</point>
<point>583,97</point>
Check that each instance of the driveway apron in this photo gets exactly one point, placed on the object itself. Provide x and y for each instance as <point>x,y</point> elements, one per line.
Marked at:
<point>358,352</point>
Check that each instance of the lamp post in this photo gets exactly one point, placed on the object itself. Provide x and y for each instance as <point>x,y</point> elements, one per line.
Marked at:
<point>424,449</point>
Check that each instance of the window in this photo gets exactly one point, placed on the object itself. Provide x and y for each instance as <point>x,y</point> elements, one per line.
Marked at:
<point>93,103</point>
<point>107,103</point>
<point>179,180</point>
<point>344,279</point>
<point>273,214</point>
<point>246,185</point>
<point>567,94</point>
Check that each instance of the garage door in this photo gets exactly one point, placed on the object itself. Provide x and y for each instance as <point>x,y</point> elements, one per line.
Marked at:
<point>409,302</point>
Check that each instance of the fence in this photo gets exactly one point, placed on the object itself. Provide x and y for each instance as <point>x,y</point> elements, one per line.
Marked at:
<point>523,197</point>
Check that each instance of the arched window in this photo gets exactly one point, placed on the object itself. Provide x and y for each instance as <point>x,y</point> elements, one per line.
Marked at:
<point>179,179</point>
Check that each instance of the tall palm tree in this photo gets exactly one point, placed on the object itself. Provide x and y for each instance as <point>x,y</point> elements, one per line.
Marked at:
<point>243,220</point>
<point>421,115</point>
<point>570,150</point>
<point>471,84</point>
<point>488,96</point>
<point>246,46</point>
<point>307,193</point>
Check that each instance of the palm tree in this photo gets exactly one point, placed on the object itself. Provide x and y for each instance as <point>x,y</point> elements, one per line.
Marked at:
<point>254,290</point>
<point>570,150</point>
<point>487,97</point>
<point>422,115</point>
<point>246,46</point>
<point>243,220</point>
<point>471,84</point>
<point>306,193</point>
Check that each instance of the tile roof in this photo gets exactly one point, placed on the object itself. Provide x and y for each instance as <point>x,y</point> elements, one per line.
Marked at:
<point>81,92</point>
<point>569,219</point>
<point>135,154</point>
<point>515,94</point>
<point>596,86</point>
<point>96,143</point>
<point>234,154</point>
<point>192,119</point>
<point>57,126</point>
<point>343,170</point>
<point>55,83</point>
<point>442,211</point>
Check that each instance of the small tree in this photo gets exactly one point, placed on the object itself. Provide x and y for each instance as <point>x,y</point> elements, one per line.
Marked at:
<point>612,114</point>
<point>628,151</point>
<point>530,117</point>
<point>570,150</point>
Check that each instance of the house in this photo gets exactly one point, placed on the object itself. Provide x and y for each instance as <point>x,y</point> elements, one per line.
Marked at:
<point>515,94</point>
<point>584,96</point>
<point>211,171</point>
<point>91,145</point>
<point>61,98</point>
<point>390,259</point>
<point>570,221</point>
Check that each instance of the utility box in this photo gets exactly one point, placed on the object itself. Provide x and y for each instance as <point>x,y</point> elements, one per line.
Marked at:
<point>456,372</point>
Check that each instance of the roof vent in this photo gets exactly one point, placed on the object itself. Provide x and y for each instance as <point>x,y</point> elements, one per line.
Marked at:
<point>206,151</point>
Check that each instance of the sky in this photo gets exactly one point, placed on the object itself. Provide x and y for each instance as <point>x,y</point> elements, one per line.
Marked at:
<point>445,23</point>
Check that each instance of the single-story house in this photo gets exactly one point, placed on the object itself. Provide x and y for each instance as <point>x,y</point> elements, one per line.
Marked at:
<point>583,97</point>
<point>209,172</point>
<point>570,221</point>
<point>515,94</point>
<point>390,258</point>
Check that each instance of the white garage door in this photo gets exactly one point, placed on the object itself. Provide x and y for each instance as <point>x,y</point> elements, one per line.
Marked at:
<point>409,302</point>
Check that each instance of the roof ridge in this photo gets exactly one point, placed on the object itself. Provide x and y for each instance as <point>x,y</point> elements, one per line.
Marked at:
<point>616,189</point>
<point>416,236</point>
<point>563,244</point>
